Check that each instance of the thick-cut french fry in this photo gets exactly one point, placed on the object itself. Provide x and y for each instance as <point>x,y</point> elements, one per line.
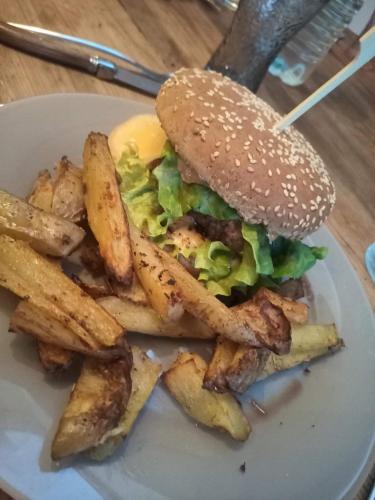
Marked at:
<point>263,326</point>
<point>215,376</point>
<point>105,212</point>
<point>62,197</point>
<point>54,359</point>
<point>245,367</point>
<point>96,404</point>
<point>31,276</point>
<point>95,286</point>
<point>42,193</point>
<point>249,364</point>
<point>222,411</point>
<point>308,342</point>
<point>45,232</point>
<point>144,375</point>
<point>133,292</point>
<point>143,319</point>
<point>157,282</point>
<point>30,320</point>
<point>89,256</point>
<point>296,312</point>
<point>67,199</point>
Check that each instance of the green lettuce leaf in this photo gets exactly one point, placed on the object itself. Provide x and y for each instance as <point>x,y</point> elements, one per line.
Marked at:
<point>214,260</point>
<point>256,236</point>
<point>243,273</point>
<point>170,194</point>
<point>205,201</point>
<point>177,197</point>
<point>292,258</point>
<point>139,192</point>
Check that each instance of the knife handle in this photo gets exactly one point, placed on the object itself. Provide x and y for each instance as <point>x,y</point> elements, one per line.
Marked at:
<point>54,50</point>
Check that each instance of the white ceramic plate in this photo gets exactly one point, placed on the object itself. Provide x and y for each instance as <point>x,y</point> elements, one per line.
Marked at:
<point>317,440</point>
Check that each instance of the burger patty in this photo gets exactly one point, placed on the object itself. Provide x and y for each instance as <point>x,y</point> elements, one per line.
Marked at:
<point>226,231</point>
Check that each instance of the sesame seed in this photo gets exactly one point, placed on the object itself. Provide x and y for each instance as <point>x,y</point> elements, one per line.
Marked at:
<point>252,185</point>
<point>227,148</point>
<point>266,193</point>
<point>263,161</point>
<point>215,154</point>
<point>257,190</point>
<point>197,120</point>
<point>269,173</point>
<point>250,169</point>
<point>234,135</point>
<point>278,171</point>
<point>238,193</point>
<point>286,193</point>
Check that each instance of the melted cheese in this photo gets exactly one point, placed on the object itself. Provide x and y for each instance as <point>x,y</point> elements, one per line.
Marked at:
<point>144,131</point>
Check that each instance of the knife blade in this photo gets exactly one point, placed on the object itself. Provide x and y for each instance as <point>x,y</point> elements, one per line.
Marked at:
<point>98,47</point>
<point>62,53</point>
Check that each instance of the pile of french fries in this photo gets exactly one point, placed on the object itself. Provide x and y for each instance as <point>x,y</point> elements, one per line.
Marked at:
<point>127,283</point>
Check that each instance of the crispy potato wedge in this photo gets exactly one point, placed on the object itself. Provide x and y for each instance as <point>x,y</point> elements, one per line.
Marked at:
<point>263,325</point>
<point>222,411</point>
<point>133,292</point>
<point>42,193</point>
<point>157,282</point>
<point>45,232</point>
<point>249,364</point>
<point>308,342</point>
<point>105,212</point>
<point>296,312</point>
<point>143,319</point>
<point>144,374</point>
<point>33,277</point>
<point>54,359</point>
<point>215,376</point>
<point>67,201</point>
<point>30,320</point>
<point>271,327</point>
<point>96,404</point>
<point>245,367</point>
<point>95,286</point>
<point>89,255</point>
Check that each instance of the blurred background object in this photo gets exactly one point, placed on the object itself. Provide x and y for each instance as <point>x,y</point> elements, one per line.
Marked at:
<point>309,46</point>
<point>298,59</point>
<point>259,30</point>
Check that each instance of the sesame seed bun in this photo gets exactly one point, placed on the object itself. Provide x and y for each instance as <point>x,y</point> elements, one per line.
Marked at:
<point>224,134</point>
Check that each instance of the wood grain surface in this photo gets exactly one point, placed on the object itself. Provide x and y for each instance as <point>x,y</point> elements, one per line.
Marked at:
<point>167,34</point>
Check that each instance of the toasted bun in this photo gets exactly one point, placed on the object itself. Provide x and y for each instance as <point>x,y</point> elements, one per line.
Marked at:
<point>225,135</point>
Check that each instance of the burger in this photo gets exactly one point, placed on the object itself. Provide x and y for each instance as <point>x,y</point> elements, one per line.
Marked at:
<point>212,180</point>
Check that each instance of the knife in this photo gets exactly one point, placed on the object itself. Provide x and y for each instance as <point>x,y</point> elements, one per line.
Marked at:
<point>58,51</point>
<point>98,47</point>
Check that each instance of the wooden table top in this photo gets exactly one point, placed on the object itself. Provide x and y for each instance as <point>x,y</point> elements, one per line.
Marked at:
<point>168,34</point>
